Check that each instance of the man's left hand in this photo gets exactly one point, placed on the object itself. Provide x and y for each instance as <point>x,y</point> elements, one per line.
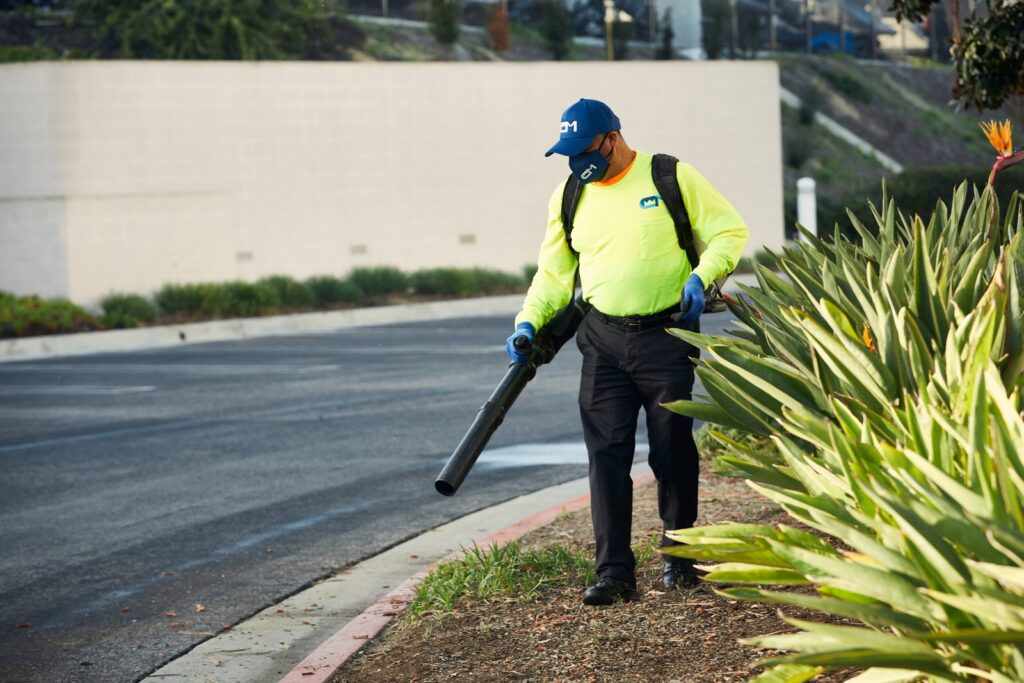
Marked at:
<point>691,303</point>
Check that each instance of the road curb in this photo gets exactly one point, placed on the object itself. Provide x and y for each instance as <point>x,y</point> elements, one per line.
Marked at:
<point>110,341</point>
<point>53,346</point>
<point>327,659</point>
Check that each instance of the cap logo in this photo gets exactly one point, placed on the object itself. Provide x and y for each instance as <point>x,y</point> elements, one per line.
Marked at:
<point>566,125</point>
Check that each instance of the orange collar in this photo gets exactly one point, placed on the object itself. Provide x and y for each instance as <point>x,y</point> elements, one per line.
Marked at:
<point>620,176</point>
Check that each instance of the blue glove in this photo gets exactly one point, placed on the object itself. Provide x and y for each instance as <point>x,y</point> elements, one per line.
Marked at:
<point>522,330</point>
<point>692,300</point>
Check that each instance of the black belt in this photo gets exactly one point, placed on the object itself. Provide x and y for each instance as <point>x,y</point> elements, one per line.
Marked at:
<point>637,323</point>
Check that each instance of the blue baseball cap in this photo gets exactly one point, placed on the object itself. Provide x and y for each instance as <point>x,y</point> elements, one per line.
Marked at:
<point>580,123</point>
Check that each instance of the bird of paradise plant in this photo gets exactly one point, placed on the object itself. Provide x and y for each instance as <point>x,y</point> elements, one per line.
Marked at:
<point>1000,135</point>
<point>889,374</point>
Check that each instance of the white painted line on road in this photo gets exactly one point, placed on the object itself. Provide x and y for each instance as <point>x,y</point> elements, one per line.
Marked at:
<point>533,454</point>
<point>75,390</point>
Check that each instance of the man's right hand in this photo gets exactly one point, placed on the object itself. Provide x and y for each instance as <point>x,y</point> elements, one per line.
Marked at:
<point>522,330</point>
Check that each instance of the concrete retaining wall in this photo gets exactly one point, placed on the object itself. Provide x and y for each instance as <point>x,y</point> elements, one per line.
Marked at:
<point>123,176</point>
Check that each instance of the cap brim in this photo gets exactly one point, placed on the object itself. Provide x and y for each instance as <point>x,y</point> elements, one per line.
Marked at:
<point>569,147</point>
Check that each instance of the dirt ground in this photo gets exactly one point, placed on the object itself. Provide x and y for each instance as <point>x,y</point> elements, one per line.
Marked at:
<point>666,636</point>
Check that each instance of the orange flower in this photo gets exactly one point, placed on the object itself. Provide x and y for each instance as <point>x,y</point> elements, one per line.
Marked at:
<point>1000,135</point>
<point>867,340</point>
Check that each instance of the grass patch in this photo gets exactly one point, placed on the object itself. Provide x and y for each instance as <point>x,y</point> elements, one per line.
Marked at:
<point>496,572</point>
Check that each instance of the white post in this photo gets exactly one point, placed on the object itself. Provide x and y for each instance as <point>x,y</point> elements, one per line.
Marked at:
<point>806,205</point>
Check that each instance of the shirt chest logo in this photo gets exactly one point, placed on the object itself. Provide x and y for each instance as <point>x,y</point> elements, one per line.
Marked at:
<point>651,202</point>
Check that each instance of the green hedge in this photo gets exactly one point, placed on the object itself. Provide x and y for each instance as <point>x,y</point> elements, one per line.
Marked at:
<point>290,292</point>
<point>462,282</point>
<point>379,281</point>
<point>127,310</point>
<point>28,316</point>
<point>328,290</point>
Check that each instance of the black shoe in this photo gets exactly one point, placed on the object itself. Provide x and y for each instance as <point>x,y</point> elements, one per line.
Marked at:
<point>606,591</point>
<point>678,572</point>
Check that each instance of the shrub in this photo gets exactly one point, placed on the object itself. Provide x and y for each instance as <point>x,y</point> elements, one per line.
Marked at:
<point>443,281</point>
<point>180,299</point>
<point>529,270</point>
<point>31,315</point>
<point>26,53</point>
<point>244,300</point>
<point>198,29</point>
<point>379,281</point>
<point>915,191</point>
<point>215,300</point>
<point>127,310</point>
<point>444,21</point>
<point>290,292</point>
<point>798,150</point>
<point>328,290</point>
<point>556,29</point>
<point>495,281</point>
<point>765,258</point>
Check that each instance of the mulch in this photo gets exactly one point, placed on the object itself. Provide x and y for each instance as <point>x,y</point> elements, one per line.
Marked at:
<point>672,635</point>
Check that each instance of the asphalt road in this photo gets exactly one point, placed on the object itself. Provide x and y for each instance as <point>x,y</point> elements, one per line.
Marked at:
<point>137,487</point>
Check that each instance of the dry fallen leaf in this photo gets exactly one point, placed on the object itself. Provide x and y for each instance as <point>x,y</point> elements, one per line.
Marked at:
<point>200,607</point>
<point>124,609</point>
<point>170,614</point>
<point>24,624</point>
<point>177,624</point>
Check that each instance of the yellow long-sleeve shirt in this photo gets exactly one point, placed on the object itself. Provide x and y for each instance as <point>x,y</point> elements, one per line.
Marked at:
<point>630,261</point>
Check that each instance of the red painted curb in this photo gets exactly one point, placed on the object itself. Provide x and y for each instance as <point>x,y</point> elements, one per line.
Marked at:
<point>333,653</point>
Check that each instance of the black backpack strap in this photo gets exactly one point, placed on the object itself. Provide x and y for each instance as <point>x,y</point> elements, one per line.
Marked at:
<point>663,172</point>
<point>570,199</point>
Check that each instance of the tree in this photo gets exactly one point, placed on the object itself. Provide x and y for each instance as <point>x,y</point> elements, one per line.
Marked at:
<point>498,30</point>
<point>666,37</point>
<point>227,29</point>
<point>444,21</point>
<point>717,16</point>
<point>988,51</point>
<point>622,33</point>
<point>556,29</point>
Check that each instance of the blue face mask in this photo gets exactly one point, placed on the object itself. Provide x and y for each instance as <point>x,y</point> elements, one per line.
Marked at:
<point>590,166</point>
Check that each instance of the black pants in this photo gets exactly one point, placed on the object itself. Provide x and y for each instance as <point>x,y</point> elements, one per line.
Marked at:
<point>623,370</point>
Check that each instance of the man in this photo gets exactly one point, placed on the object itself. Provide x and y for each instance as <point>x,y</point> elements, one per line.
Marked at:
<point>639,282</point>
